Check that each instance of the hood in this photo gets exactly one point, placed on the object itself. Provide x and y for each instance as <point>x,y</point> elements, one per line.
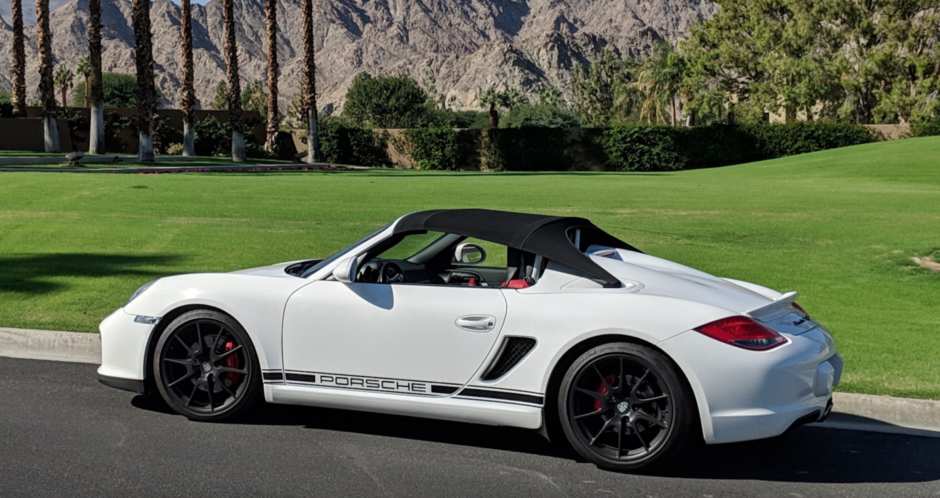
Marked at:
<point>276,270</point>
<point>665,278</point>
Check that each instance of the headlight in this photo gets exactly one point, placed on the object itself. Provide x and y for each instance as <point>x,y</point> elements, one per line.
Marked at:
<point>140,291</point>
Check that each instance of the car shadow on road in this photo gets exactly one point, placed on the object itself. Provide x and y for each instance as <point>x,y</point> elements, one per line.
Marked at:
<point>809,454</point>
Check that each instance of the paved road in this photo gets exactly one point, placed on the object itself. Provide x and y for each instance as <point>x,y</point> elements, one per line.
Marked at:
<point>63,434</point>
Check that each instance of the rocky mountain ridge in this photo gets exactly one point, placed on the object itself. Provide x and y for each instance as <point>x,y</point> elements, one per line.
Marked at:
<point>459,46</point>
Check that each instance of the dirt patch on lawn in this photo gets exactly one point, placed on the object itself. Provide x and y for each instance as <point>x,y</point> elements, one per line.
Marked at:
<point>927,262</point>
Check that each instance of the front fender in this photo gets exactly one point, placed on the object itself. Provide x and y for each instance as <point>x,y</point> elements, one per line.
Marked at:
<point>256,302</point>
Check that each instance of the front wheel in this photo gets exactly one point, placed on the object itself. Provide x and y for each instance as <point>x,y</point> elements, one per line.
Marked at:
<point>205,366</point>
<point>624,407</point>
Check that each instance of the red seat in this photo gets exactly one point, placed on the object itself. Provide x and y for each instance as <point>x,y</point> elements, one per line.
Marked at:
<point>516,283</point>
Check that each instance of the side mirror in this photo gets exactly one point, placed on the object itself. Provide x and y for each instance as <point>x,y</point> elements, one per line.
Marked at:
<point>345,271</point>
<point>469,254</point>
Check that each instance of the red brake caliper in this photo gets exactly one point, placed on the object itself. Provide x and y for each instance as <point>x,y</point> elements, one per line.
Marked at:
<point>603,390</point>
<point>231,362</point>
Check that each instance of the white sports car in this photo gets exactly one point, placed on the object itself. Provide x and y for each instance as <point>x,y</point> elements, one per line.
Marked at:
<point>563,328</point>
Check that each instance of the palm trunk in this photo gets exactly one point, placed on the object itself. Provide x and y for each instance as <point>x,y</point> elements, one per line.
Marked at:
<point>19,61</point>
<point>494,116</point>
<point>310,85</point>
<point>46,84</point>
<point>96,143</point>
<point>188,95</point>
<point>146,93</point>
<point>273,117</point>
<point>673,102</point>
<point>234,81</point>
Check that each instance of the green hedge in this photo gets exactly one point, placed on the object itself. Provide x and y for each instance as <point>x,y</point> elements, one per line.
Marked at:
<point>434,148</point>
<point>927,129</point>
<point>342,144</point>
<point>526,149</point>
<point>666,148</point>
<point>623,148</point>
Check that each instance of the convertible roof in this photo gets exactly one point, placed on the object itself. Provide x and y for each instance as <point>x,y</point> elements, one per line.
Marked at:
<point>549,236</point>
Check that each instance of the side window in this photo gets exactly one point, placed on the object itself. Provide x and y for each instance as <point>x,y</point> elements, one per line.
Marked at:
<point>410,245</point>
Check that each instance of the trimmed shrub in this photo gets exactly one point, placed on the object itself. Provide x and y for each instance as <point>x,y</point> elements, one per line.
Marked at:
<point>643,148</point>
<point>926,129</point>
<point>526,149</point>
<point>341,144</point>
<point>799,138</point>
<point>212,137</point>
<point>434,148</point>
<point>666,148</point>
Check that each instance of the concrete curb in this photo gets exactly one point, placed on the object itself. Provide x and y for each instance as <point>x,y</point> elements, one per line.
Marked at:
<point>50,345</point>
<point>917,417</point>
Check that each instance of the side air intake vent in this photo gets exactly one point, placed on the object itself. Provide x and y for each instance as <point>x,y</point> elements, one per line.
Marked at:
<point>511,352</point>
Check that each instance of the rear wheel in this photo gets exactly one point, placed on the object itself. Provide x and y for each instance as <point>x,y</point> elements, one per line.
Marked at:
<point>205,366</point>
<point>624,407</point>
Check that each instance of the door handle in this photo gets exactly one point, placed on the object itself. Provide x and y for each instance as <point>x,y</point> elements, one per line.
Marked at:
<point>477,323</point>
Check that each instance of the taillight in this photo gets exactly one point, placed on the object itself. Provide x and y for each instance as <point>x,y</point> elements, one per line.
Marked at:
<point>742,332</point>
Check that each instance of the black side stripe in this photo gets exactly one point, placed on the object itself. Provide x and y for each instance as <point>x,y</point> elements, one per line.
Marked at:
<point>437,389</point>
<point>509,396</point>
<point>272,376</point>
<point>301,377</point>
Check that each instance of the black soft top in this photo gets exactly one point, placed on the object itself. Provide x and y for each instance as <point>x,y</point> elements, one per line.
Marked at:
<point>549,236</point>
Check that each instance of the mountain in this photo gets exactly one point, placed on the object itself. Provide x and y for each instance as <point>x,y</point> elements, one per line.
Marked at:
<point>461,46</point>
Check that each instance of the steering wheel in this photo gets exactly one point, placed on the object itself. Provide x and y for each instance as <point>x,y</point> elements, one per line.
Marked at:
<point>464,276</point>
<point>391,273</point>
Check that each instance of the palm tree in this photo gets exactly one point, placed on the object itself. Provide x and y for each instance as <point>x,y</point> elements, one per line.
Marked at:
<point>513,98</point>
<point>493,100</point>
<point>96,143</point>
<point>662,75</point>
<point>146,91</point>
<point>83,69</point>
<point>274,118</point>
<point>63,79</point>
<point>188,94</point>
<point>310,85</point>
<point>19,61</point>
<point>234,83</point>
<point>46,83</point>
<point>551,96</point>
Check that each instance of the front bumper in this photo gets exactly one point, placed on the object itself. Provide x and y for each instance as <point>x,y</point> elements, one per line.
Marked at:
<point>746,395</point>
<point>134,386</point>
<point>123,351</point>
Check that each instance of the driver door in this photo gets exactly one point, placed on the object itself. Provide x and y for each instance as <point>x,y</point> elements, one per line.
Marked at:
<point>395,338</point>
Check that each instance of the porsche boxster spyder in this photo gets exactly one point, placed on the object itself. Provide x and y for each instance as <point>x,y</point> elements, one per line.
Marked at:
<point>541,322</point>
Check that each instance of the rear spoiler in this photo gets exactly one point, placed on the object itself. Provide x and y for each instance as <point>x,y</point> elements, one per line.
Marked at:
<point>779,306</point>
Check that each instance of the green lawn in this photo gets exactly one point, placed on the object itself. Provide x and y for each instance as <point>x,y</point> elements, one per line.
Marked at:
<point>840,227</point>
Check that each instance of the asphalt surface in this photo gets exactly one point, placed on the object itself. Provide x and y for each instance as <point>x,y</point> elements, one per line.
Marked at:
<point>63,434</point>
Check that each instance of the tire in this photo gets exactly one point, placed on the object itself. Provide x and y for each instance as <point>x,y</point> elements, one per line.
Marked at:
<point>625,407</point>
<point>206,368</point>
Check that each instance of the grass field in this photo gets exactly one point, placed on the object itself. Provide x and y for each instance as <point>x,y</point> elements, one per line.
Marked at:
<point>839,226</point>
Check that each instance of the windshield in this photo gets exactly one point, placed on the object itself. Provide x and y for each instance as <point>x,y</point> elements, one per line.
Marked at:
<point>317,267</point>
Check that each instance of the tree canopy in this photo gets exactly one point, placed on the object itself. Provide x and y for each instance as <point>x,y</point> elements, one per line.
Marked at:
<point>386,102</point>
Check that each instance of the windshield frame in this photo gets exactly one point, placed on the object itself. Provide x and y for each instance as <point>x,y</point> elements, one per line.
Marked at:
<point>332,259</point>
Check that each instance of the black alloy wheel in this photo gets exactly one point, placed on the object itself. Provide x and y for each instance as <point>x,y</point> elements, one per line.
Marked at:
<point>623,407</point>
<point>205,366</point>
